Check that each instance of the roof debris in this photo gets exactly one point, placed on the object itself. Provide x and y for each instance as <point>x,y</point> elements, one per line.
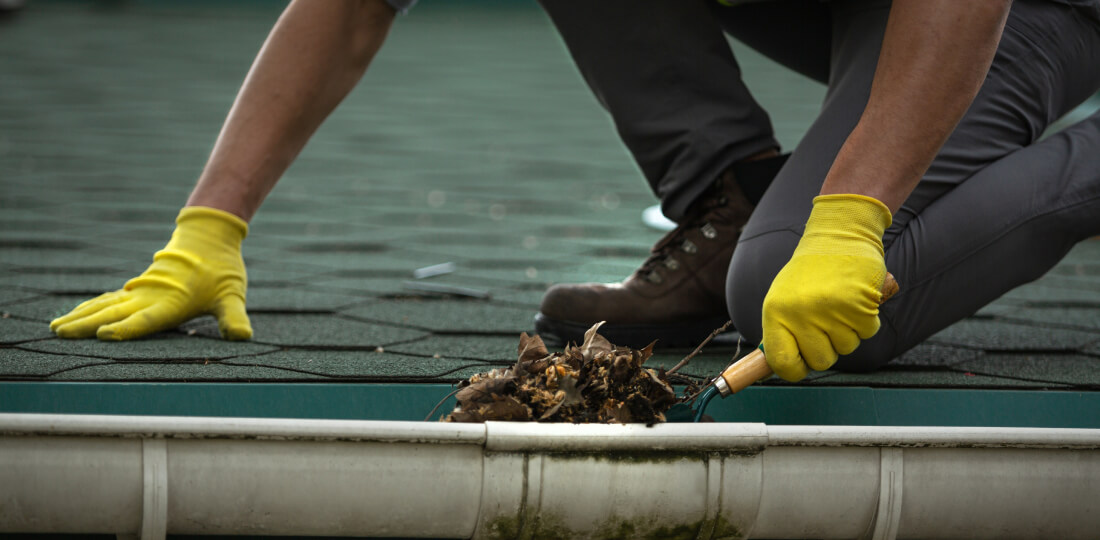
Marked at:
<point>595,382</point>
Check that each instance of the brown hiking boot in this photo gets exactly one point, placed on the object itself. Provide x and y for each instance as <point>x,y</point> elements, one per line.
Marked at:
<point>677,296</point>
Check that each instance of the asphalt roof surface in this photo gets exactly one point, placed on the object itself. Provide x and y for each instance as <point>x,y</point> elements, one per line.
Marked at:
<point>472,140</point>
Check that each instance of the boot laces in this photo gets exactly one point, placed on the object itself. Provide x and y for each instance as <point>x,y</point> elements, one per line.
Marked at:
<point>707,209</point>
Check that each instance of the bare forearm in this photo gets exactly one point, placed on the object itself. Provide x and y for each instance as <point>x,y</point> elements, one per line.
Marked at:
<point>934,57</point>
<point>313,57</point>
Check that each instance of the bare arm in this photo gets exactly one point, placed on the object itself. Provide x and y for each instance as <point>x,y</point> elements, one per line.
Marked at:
<point>314,56</point>
<point>934,58</point>
<point>824,301</point>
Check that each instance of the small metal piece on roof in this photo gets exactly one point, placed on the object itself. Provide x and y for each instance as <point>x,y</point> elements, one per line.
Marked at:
<point>434,270</point>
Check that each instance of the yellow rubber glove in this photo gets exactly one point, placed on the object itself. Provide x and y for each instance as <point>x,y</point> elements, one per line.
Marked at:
<point>199,272</point>
<point>825,300</point>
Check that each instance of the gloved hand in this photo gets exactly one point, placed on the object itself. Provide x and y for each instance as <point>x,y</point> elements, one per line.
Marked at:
<point>825,300</point>
<point>200,271</point>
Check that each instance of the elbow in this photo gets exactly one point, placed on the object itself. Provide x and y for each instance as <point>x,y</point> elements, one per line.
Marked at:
<point>367,25</point>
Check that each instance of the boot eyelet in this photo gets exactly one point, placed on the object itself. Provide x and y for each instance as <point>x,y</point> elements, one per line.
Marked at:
<point>689,247</point>
<point>672,264</point>
<point>654,278</point>
<point>709,231</point>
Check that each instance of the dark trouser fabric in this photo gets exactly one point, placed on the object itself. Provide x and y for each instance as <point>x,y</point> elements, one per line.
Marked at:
<point>996,209</point>
<point>665,72</point>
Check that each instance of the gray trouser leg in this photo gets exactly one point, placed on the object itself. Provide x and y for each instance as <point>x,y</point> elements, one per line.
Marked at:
<point>996,209</point>
<point>665,73</point>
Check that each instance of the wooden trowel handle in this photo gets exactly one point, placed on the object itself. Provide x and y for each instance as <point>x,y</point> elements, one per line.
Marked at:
<point>754,366</point>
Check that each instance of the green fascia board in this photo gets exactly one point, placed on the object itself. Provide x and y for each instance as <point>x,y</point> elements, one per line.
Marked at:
<point>770,405</point>
<point>248,400</point>
<point>863,406</point>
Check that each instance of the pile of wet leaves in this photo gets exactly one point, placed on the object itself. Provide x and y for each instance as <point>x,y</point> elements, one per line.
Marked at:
<point>594,382</point>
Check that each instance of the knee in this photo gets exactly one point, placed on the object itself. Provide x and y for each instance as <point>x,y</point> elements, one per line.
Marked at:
<point>872,353</point>
<point>755,263</point>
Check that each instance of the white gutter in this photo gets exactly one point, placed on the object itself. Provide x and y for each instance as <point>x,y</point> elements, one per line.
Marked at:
<point>138,475</point>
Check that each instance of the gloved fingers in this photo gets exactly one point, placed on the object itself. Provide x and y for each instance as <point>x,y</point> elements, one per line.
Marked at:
<point>232,318</point>
<point>869,327</point>
<point>781,351</point>
<point>86,327</point>
<point>816,349</point>
<point>153,318</point>
<point>844,340</point>
<point>88,307</point>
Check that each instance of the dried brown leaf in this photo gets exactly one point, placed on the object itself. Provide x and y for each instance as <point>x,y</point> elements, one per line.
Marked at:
<point>622,369</point>
<point>482,391</point>
<point>660,393</point>
<point>535,366</point>
<point>572,391</point>
<point>461,415</point>
<point>594,343</point>
<point>645,353</point>
<point>531,348</point>
<point>550,412</point>
<point>505,408</point>
<point>618,411</point>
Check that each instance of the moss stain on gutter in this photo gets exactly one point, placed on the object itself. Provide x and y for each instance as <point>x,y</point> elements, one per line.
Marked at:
<point>649,457</point>
<point>551,527</point>
<point>532,524</point>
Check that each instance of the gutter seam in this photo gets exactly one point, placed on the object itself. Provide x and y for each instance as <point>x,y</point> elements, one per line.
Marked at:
<point>154,506</point>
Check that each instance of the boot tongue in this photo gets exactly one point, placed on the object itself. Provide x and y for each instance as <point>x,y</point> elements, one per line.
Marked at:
<point>712,206</point>
<point>754,177</point>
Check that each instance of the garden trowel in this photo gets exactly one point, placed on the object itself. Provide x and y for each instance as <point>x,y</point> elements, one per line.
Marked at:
<point>741,374</point>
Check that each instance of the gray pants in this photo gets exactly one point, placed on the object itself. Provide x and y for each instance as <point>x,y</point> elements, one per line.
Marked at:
<point>996,209</point>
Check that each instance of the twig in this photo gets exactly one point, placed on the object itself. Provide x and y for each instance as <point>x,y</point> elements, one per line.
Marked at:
<point>698,349</point>
<point>691,399</point>
<point>680,378</point>
<point>445,398</point>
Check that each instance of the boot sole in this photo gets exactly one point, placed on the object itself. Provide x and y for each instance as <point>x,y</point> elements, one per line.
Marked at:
<point>686,334</point>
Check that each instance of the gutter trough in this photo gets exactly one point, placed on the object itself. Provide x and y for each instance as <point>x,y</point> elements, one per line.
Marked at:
<point>151,476</point>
